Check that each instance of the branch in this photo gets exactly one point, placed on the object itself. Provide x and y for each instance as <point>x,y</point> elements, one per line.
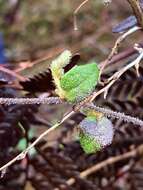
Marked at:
<point>76,11</point>
<point>24,153</point>
<point>107,112</point>
<point>119,57</point>
<point>109,161</point>
<point>116,115</point>
<point>12,73</point>
<point>117,44</point>
<point>50,100</point>
<point>120,39</point>
<point>56,100</point>
<point>135,4</point>
<point>117,75</point>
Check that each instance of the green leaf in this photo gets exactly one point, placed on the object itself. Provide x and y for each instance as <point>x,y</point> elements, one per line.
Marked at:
<point>79,82</point>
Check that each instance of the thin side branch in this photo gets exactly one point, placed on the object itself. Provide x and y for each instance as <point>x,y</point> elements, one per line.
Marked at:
<point>116,115</point>
<point>76,11</point>
<point>106,2</point>
<point>23,154</point>
<point>119,57</point>
<point>111,160</point>
<point>117,75</point>
<point>135,4</point>
<point>12,73</point>
<point>107,112</point>
<point>119,40</point>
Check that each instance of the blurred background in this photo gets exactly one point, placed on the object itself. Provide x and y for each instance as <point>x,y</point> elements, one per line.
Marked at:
<point>32,29</point>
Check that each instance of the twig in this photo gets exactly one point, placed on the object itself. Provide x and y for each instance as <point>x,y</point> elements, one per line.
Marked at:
<point>116,45</point>
<point>106,2</point>
<point>119,57</point>
<point>56,100</point>
<point>79,7</point>
<point>76,11</point>
<point>12,73</point>
<point>132,64</point>
<point>109,161</point>
<point>24,153</point>
<point>120,39</point>
<point>103,110</point>
<point>135,4</point>
<point>50,100</point>
<point>139,15</point>
<point>115,77</point>
<point>116,115</point>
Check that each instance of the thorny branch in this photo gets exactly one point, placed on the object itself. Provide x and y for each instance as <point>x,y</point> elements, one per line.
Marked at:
<point>109,161</point>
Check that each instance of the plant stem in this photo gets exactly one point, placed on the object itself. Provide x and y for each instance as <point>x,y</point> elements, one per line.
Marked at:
<point>50,100</point>
<point>135,4</point>
<point>24,153</point>
<point>116,115</point>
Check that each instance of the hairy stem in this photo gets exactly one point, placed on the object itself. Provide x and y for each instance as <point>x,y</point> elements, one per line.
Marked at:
<point>50,100</point>
<point>117,115</point>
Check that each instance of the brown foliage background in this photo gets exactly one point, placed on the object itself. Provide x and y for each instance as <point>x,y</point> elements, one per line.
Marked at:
<point>36,29</point>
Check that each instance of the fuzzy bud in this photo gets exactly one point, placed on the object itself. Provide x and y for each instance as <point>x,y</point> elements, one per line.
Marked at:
<point>95,134</point>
